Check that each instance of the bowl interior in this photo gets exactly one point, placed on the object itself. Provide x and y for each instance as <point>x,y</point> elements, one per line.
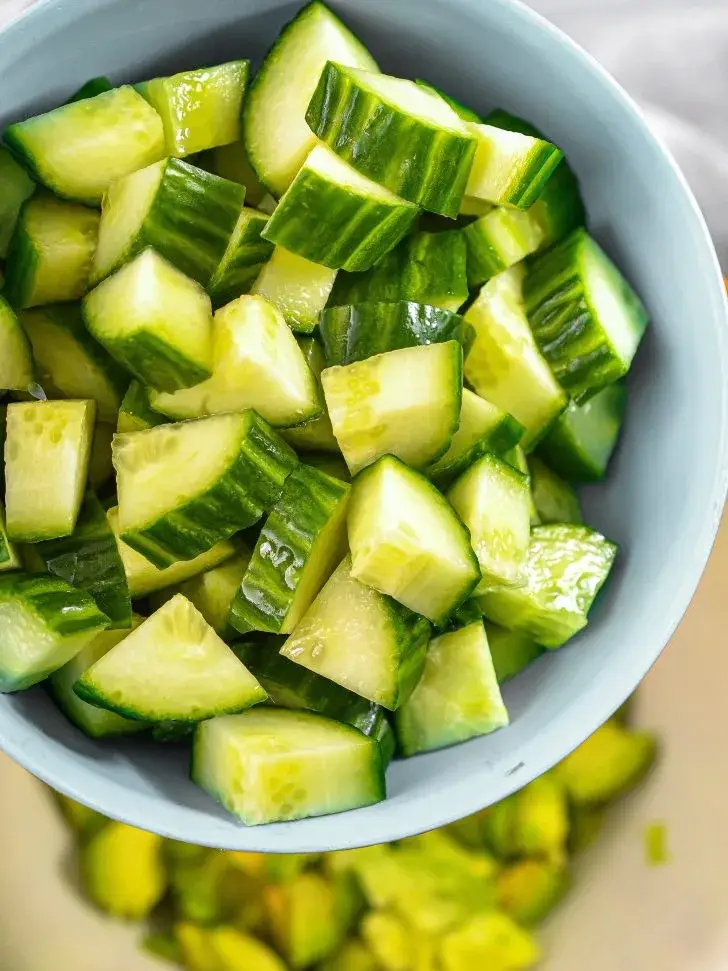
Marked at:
<point>664,496</point>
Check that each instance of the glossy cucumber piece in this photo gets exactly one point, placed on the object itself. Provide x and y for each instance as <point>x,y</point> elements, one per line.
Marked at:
<point>232,162</point>
<point>277,138</point>
<point>555,500</point>
<point>90,89</point>
<point>362,640</point>
<point>45,623</point>
<point>233,762</point>
<point>512,651</point>
<point>200,109</point>
<point>256,363</point>
<point>458,697</point>
<point>47,450</point>
<point>316,435</point>
<point>246,254</point>
<point>404,403</point>
<point>15,187</point>
<point>154,321</point>
<point>213,591</point>
<point>135,412</point>
<point>184,487</point>
<point>586,318</point>
<point>467,114</point>
<point>418,147</point>
<point>302,541</point>
<point>80,149</point>
<point>16,361</point>
<point>100,466</point>
<point>186,214</point>
<point>298,287</point>
<point>9,559</point>
<point>517,458</point>
<point>566,567</point>
<point>510,168</point>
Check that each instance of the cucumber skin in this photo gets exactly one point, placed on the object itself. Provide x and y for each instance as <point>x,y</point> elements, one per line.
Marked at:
<point>9,559</point>
<point>239,269</point>
<point>17,188</point>
<point>499,440</point>
<point>317,434</point>
<point>135,413</point>
<point>388,147</point>
<point>19,370</point>
<point>90,89</point>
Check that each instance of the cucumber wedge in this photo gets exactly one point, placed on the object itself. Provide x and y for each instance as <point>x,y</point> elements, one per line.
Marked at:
<point>404,403</point>
<point>586,318</point>
<point>16,362</point>
<point>566,568</point>
<point>277,137</point>
<point>298,287</point>
<point>47,450</point>
<point>512,652</point>
<point>362,640</point>
<point>504,364</point>
<point>458,697</point>
<point>45,623</point>
<point>316,435</point>
<point>184,487</point>
<point>9,559</point>
<point>15,187</point>
<point>467,114</point>
<point>510,168</point>
<point>273,765</point>
<point>135,413</point>
<point>232,162</point>
<point>417,147</point>
<point>155,321</point>
<point>100,466</point>
<point>244,258</point>
<point>256,363</point>
<point>407,542</point>
<point>517,458</point>
<point>333,465</point>
<point>80,149</point>
<point>90,89</point>
<point>173,667</point>
<point>553,497</point>
<point>213,591</point>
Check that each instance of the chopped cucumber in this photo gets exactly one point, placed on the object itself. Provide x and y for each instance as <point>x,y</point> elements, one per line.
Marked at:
<point>511,651</point>
<point>256,363</point>
<point>517,458</point>
<point>244,258</point>
<point>362,640</point>
<point>301,543</point>
<point>9,559</point>
<point>80,149</point>
<point>418,148</point>
<point>489,939</point>
<point>277,137</point>
<point>200,109</point>
<point>407,542</point>
<point>467,114</point>
<point>213,591</point>
<point>608,764</point>
<point>232,162</point>
<point>90,89</point>
<point>528,890</point>
<point>15,187</point>
<point>237,951</point>
<point>458,697</point>
<point>273,765</point>
<point>173,667</point>
<point>135,413</point>
<point>184,487</point>
<point>510,168</point>
<point>100,466</point>
<point>298,287</point>
<point>155,321</point>
<point>122,871</point>
<point>405,403</point>
<point>16,362</point>
<point>554,499</point>
<point>332,465</point>
<point>567,566</point>
<point>316,435</point>
<point>47,450</point>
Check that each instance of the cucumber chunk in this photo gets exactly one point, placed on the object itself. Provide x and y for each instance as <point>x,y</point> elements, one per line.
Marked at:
<point>232,162</point>
<point>135,413</point>
<point>529,890</point>
<point>90,89</point>
<point>16,362</point>
<point>566,568</point>
<point>80,149</point>
<point>511,651</point>
<point>301,543</point>
<point>298,287</point>
<point>586,318</point>
<point>554,499</point>
<point>100,466</point>
<point>273,765</point>
<point>277,137</point>
<point>332,465</point>
<point>358,638</point>
<point>199,109</point>
<point>419,148</point>
<point>47,450</point>
<point>9,559</point>
<point>510,169</point>
<point>184,487</point>
<point>186,214</point>
<point>488,940</point>
<point>517,458</point>
<point>458,697</point>
<point>45,623</point>
<point>316,435</point>
<point>51,252</point>
<point>244,258</point>
<point>504,364</point>
<point>212,592</point>
<point>407,542</point>
<point>155,321</point>
<point>463,112</point>
<point>256,363</point>
<point>122,871</point>
<point>15,187</point>
<point>404,403</point>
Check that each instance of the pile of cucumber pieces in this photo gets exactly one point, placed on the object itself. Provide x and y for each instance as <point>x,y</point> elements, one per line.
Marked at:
<point>413,302</point>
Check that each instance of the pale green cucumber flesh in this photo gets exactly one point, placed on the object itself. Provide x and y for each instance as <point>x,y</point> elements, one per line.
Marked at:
<point>15,187</point>
<point>135,413</point>
<point>100,466</point>
<point>232,162</point>
<point>297,287</point>
<point>510,168</point>
<point>16,362</point>
<point>316,435</point>
<point>511,651</point>
<point>213,591</point>
<point>9,559</point>
<point>246,254</point>
<point>555,500</point>
<point>461,110</point>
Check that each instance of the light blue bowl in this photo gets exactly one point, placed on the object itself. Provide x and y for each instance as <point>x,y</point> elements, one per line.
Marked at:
<point>666,491</point>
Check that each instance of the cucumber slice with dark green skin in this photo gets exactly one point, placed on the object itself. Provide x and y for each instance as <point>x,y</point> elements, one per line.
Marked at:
<point>80,149</point>
<point>9,559</point>
<point>332,465</point>
<point>302,541</point>
<point>200,109</point>
<point>316,435</point>
<point>47,450</point>
<point>51,252</point>
<point>135,412</point>
<point>407,542</point>
<point>291,686</point>
<point>46,622</point>
<point>510,168</point>
<point>467,613</point>
<point>16,361</point>
<point>299,288</point>
<point>418,148</point>
<point>512,652</point>
<point>70,363</point>
<point>333,215</point>
<point>404,403</point>
<point>89,560</point>
<point>90,89</point>
<point>15,187</point>
<point>354,333</point>
<point>212,592</point>
<point>186,214</point>
<point>467,114</point>
<point>581,443</point>
<point>232,162</point>
<point>184,487</point>
<point>566,568</point>
<point>244,258</point>
<point>277,137</point>
<point>233,761</point>
<point>256,363</point>
<point>554,499</point>
<point>458,697</point>
<point>190,673</point>
<point>587,320</point>
<point>154,321</point>
<point>358,638</point>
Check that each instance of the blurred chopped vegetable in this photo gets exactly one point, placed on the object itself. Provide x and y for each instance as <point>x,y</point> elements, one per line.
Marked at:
<point>656,847</point>
<point>609,763</point>
<point>123,872</point>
